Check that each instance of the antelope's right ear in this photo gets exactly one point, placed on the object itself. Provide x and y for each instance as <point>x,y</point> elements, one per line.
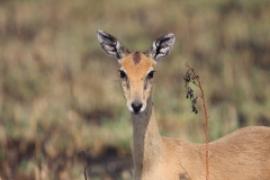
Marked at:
<point>111,45</point>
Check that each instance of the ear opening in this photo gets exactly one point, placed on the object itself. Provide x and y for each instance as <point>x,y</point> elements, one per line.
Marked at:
<point>111,45</point>
<point>162,46</point>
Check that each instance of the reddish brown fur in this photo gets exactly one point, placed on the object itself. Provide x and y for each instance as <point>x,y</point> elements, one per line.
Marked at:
<point>137,70</point>
<point>136,57</point>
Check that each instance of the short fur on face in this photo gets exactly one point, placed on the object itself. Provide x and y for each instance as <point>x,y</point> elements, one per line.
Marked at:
<point>137,68</point>
<point>137,86</point>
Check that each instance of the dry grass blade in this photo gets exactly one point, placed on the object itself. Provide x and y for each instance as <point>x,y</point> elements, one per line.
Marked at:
<point>85,173</point>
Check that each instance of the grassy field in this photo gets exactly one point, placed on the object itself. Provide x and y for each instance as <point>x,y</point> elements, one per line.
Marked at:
<point>61,105</point>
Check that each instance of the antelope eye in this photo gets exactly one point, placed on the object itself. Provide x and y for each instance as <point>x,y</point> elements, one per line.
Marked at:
<point>151,75</point>
<point>122,74</point>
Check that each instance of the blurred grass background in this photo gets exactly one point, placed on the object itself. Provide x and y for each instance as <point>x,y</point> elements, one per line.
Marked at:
<point>61,105</point>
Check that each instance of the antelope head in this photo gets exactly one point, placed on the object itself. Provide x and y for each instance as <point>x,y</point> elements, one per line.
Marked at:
<point>137,69</point>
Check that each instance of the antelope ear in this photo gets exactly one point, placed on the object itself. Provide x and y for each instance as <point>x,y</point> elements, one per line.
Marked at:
<point>111,45</point>
<point>162,46</point>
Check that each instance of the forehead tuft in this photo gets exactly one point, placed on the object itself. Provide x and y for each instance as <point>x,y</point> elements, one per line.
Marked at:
<point>136,57</point>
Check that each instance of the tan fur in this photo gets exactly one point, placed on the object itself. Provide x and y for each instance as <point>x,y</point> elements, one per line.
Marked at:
<point>137,71</point>
<point>241,155</point>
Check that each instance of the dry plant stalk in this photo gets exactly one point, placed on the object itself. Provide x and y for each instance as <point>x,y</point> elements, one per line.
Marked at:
<point>192,77</point>
<point>85,173</point>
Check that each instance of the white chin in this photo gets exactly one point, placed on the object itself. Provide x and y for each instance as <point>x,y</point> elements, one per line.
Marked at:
<point>130,109</point>
<point>143,108</point>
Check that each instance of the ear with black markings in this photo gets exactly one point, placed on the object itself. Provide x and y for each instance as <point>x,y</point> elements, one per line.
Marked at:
<point>111,45</point>
<point>162,46</point>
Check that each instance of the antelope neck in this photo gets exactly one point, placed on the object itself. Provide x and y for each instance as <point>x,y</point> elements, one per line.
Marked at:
<point>147,142</point>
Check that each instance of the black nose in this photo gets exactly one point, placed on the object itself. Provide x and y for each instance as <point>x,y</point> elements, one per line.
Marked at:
<point>136,106</point>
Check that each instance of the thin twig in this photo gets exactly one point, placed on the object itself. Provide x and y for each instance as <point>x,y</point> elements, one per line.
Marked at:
<point>205,128</point>
<point>85,173</point>
<point>191,76</point>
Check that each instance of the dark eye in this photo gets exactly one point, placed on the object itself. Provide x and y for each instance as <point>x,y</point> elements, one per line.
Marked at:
<point>150,75</point>
<point>122,74</point>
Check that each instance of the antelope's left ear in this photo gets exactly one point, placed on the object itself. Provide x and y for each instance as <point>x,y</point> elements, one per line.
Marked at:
<point>162,46</point>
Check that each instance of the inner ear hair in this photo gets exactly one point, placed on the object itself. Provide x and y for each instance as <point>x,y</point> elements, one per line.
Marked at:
<point>162,46</point>
<point>111,45</point>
